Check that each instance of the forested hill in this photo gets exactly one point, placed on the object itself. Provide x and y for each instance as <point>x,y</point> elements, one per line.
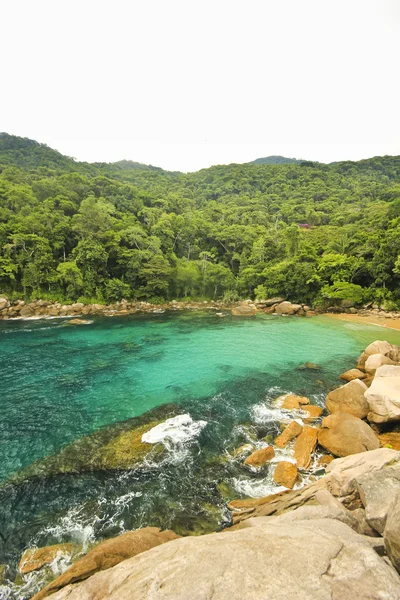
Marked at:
<point>275,160</point>
<point>310,232</point>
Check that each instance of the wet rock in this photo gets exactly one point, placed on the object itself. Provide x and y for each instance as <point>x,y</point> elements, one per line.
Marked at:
<point>289,433</point>
<point>349,398</point>
<point>377,491</point>
<point>383,396</point>
<point>313,412</point>
<point>285,474</point>
<point>343,434</point>
<point>310,366</point>
<point>287,308</point>
<point>107,554</point>
<point>325,460</point>
<point>34,559</point>
<point>352,374</point>
<point>320,559</point>
<point>390,439</point>
<point>241,450</point>
<point>391,534</point>
<point>291,401</point>
<point>304,447</point>
<point>260,457</point>
<point>77,322</point>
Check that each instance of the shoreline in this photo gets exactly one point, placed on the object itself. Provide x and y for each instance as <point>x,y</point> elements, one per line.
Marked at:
<point>367,319</point>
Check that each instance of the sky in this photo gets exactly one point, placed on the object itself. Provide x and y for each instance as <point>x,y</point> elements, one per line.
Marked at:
<point>184,84</point>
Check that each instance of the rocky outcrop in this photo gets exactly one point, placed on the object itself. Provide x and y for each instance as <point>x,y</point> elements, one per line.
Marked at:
<point>377,491</point>
<point>290,432</point>
<point>287,308</point>
<point>286,474</point>
<point>379,347</point>
<point>108,554</point>
<point>309,558</point>
<point>312,412</point>
<point>244,310</point>
<point>349,398</point>
<point>391,532</point>
<point>304,447</point>
<point>34,559</point>
<point>383,396</point>
<point>343,434</point>
<point>375,361</point>
<point>291,401</point>
<point>259,457</point>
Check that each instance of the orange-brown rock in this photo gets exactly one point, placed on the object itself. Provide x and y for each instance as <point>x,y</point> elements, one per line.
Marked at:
<point>260,457</point>
<point>313,412</point>
<point>352,374</point>
<point>77,322</point>
<point>325,460</point>
<point>36,558</point>
<point>290,432</point>
<point>285,474</point>
<point>342,434</point>
<point>292,402</point>
<point>391,438</point>
<point>244,310</point>
<point>107,554</point>
<point>349,398</point>
<point>305,446</point>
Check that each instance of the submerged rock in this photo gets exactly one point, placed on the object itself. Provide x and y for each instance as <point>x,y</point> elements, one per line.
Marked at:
<point>107,554</point>
<point>118,446</point>
<point>341,434</point>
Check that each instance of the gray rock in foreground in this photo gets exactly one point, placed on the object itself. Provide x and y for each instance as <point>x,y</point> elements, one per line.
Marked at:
<point>383,396</point>
<point>321,559</point>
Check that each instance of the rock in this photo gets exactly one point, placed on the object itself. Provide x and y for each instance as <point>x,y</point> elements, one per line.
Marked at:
<point>244,310</point>
<point>383,396</point>
<point>291,401</point>
<point>27,311</point>
<point>3,571</point>
<point>325,460</point>
<point>343,434</point>
<point>272,301</point>
<point>352,374</point>
<point>287,308</point>
<point>77,306</point>
<point>77,322</point>
<point>290,432</point>
<point>318,559</point>
<point>344,472</point>
<point>349,398</point>
<point>107,554</point>
<point>391,439</point>
<point>377,491</point>
<point>34,559</point>
<point>311,366</point>
<point>375,361</point>
<point>244,449</point>
<point>313,412</point>
<point>304,447</point>
<point>391,534</point>
<point>4,303</point>
<point>285,474</point>
<point>116,447</point>
<point>383,347</point>
<point>260,457</point>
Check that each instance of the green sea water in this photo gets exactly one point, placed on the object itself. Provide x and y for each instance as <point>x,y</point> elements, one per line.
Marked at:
<point>59,382</point>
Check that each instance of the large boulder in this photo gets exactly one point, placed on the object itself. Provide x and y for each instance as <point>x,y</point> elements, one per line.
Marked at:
<point>352,374</point>
<point>304,446</point>
<point>342,473</point>
<point>291,401</point>
<point>379,347</point>
<point>4,303</point>
<point>318,559</point>
<point>285,474</point>
<point>342,434</point>
<point>349,398</point>
<point>287,308</point>
<point>260,457</point>
<point>391,533</point>
<point>108,554</point>
<point>383,396</point>
<point>375,361</point>
<point>34,559</point>
<point>377,491</point>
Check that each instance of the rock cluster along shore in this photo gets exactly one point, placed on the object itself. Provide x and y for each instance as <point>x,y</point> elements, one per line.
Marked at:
<point>336,538</point>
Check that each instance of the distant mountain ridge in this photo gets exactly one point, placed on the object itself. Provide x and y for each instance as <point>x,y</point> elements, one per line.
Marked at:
<point>275,160</point>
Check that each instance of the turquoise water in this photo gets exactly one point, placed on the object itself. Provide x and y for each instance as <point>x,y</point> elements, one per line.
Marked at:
<point>59,382</point>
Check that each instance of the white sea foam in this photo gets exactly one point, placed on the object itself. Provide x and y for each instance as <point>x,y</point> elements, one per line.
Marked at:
<point>177,430</point>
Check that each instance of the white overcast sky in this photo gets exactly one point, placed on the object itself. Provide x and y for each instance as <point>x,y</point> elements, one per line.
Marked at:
<point>184,84</point>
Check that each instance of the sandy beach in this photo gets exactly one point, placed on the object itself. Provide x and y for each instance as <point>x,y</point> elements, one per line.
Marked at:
<point>367,319</point>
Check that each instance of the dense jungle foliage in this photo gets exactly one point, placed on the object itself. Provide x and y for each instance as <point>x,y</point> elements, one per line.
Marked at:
<point>306,231</point>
